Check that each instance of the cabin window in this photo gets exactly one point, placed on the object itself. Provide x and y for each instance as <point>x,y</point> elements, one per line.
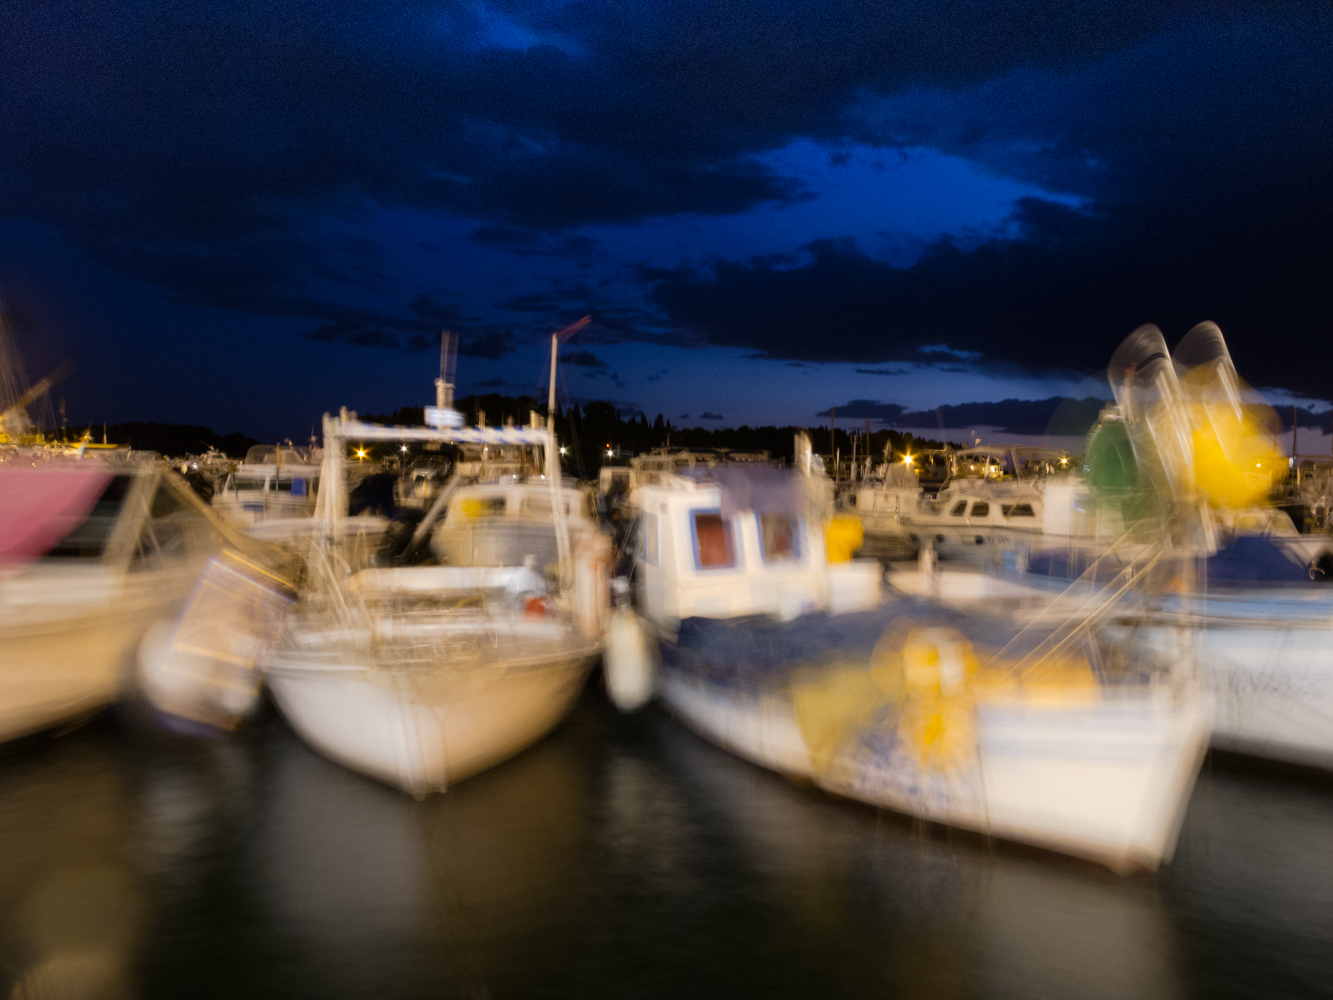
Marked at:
<point>538,507</point>
<point>779,538</point>
<point>88,540</point>
<point>649,528</point>
<point>1018,510</point>
<point>247,484</point>
<point>981,509</point>
<point>300,488</point>
<point>713,547</point>
<point>959,509</point>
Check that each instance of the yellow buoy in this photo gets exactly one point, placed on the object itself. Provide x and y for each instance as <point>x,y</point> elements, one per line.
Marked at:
<point>842,537</point>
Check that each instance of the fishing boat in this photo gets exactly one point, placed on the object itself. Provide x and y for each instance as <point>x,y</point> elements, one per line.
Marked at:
<point>777,647</point>
<point>93,554</point>
<point>423,675</point>
<point>1248,587</point>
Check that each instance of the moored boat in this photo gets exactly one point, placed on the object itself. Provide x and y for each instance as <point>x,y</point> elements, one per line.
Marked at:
<point>273,482</point>
<point>93,554</point>
<point>423,675</point>
<point>1040,733</point>
<point>1244,582</point>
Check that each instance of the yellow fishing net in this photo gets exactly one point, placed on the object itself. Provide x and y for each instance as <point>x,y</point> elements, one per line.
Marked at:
<point>1236,459</point>
<point>925,683</point>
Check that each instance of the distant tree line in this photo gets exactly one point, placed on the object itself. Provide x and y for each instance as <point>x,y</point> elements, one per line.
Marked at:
<point>587,431</point>
<point>173,440</point>
<point>590,429</point>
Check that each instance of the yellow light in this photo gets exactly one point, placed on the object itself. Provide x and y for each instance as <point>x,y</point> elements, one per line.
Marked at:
<point>402,447</point>
<point>361,453</point>
<point>907,460</point>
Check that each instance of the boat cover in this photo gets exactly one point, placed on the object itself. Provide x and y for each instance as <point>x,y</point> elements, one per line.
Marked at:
<point>1246,560</point>
<point>760,650</point>
<point>40,505</point>
<point>1255,559</point>
<point>1072,564</point>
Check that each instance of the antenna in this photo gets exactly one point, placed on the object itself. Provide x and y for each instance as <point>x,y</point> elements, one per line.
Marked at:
<point>558,338</point>
<point>444,385</point>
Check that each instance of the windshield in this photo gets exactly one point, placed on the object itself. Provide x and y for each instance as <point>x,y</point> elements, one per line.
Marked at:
<point>88,540</point>
<point>267,454</point>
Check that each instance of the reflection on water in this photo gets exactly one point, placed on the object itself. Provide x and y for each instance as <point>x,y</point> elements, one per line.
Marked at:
<point>71,896</point>
<point>623,856</point>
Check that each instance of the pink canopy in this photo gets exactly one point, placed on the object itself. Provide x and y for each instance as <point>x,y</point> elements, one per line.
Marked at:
<point>40,505</point>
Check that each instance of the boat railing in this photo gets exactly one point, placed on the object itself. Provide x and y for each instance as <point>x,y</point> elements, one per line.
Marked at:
<point>446,428</point>
<point>1083,606</point>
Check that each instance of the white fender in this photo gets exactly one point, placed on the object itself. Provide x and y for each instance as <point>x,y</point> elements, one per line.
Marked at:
<point>630,661</point>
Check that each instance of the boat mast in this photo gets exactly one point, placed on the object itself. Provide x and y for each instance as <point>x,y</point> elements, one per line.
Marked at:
<point>444,385</point>
<point>551,463</point>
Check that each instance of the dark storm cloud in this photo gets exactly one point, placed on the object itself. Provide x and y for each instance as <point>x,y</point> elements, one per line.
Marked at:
<point>491,344</point>
<point>583,359</point>
<point>190,145</point>
<point>1306,418</point>
<point>1203,155</point>
<point>214,152</point>
<point>613,321</point>
<point>418,332</point>
<point>532,242</point>
<point>1060,295</point>
<point>1056,415</point>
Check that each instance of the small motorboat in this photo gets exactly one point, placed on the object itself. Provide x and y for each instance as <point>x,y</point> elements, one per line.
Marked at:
<point>1037,732</point>
<point>273,482</point>
<point>991,498</point>
<point>94,553</point>
<point>423,675</point>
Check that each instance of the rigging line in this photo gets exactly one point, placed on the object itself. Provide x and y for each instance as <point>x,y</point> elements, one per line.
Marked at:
<point>1102,609</point>
<point>1093,618</point>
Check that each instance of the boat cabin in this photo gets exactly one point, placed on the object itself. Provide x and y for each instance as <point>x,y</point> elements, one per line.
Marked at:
<point>703,549</point>
<point>502,524</point>
<point>272,481</point>
<point>613,479</point>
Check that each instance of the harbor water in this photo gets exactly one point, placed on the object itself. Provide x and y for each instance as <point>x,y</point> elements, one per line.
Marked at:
<point>620,857</point>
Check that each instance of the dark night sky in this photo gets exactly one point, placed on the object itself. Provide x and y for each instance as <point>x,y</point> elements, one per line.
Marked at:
<point>242,215</point>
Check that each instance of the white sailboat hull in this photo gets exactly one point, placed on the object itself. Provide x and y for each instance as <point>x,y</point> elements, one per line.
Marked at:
<point>1273,684</point>
<point>425,729</point>
<point>1108,781</point>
